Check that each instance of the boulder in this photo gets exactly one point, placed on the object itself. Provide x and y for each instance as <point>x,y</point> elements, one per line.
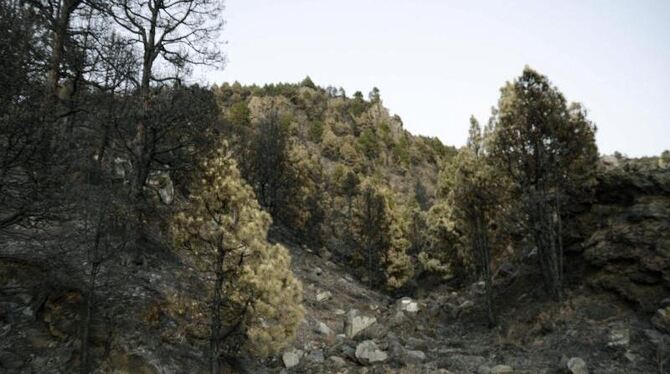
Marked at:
<point>619,336</point>
<point>484,369</point>
<point>323,296</point>
<point>661,319</point>
<point>337,361</point>
<point>414,357</point>
<point>406,304</point>
<point>323,329</point>
<point>355,323</point>
<point>316,356</point>
<point>161,182</point>
<point>376,331</point>
<point>292,357</point>
<point>367,352</point>
<point>576,365</point>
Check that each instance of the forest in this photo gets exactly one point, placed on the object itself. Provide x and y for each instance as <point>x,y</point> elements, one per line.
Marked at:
<point>153,225</point>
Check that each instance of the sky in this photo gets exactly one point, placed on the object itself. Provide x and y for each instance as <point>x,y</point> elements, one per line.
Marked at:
<point>437,63</point>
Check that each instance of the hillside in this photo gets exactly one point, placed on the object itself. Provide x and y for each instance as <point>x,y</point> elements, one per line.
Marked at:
<point>440,331</point>
<point>152,225</point>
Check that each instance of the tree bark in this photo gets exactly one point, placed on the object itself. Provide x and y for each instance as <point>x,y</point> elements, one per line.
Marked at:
<point>86,323</point>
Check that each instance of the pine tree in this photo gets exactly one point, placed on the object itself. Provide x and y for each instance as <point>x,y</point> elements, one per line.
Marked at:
<point>478,197</point>
<point>253,295</point>
<point>547,149</point>
<point>381,236</point>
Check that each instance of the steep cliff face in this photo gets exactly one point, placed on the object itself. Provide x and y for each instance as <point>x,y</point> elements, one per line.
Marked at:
<point>629,245</point>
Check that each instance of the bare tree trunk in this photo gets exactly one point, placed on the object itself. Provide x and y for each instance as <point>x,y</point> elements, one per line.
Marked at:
<point>484,254</point>
<point>142,160</point>
<point>86,323</point>
<point>559,235</point>
<point>60,31</point>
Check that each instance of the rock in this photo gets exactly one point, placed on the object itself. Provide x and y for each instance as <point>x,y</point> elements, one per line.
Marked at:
<point>466,304</point>
<point>619,336</point>
<point>323,296</point>
<point>376,331</point>
<point>506,269</point>
<point>661,319</point>
<point>483,369</point>
<point>339,312</point>
<point>460,363</point>
<point>397,319</point>
<point>630,356</point>
<point>28,312</point>
<point>324,253</point>
<point>478,288</point>
<point>337,361</point>
<point>292,357</point>
<point>355,323</point>
<point>577,366</point>
<point>414,357</point>
<point>4,330</point>
<point>322,328</point>
<point>122,167</point>
<point>162,183</point>
<point>367,353</point>
<point>316,356</point>
<point>502,369</point>
<point>406,304</point>
<point>457,310</point>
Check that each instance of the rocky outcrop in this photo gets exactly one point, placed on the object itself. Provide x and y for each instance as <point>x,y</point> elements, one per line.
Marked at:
<point>629,246</point>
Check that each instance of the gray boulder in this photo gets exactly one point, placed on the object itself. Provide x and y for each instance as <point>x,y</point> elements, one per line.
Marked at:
<point>577,366</point>
<point>367,352</point>
<point>355,323</point>
<point>292,357</point>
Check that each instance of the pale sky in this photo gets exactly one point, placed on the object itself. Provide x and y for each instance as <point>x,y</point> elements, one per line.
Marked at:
<point>437,62</point>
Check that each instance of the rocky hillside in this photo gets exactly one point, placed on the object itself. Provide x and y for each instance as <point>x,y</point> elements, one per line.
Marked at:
<point>613,318</point>
<point>629,250</point>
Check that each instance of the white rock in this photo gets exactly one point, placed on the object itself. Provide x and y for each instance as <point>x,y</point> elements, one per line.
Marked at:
<point>406,304</point>
<point>414,356</point>
<point>292,357</point>
<point>323,329</point>
<point>367,352</point>
<point>323,295</point>
<point>467,304</point>
<point>577,366</point>
<point>619,336</point>
<point>355,323</point>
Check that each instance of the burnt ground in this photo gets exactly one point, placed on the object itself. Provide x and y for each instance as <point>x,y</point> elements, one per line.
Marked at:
<point>40,314</point>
